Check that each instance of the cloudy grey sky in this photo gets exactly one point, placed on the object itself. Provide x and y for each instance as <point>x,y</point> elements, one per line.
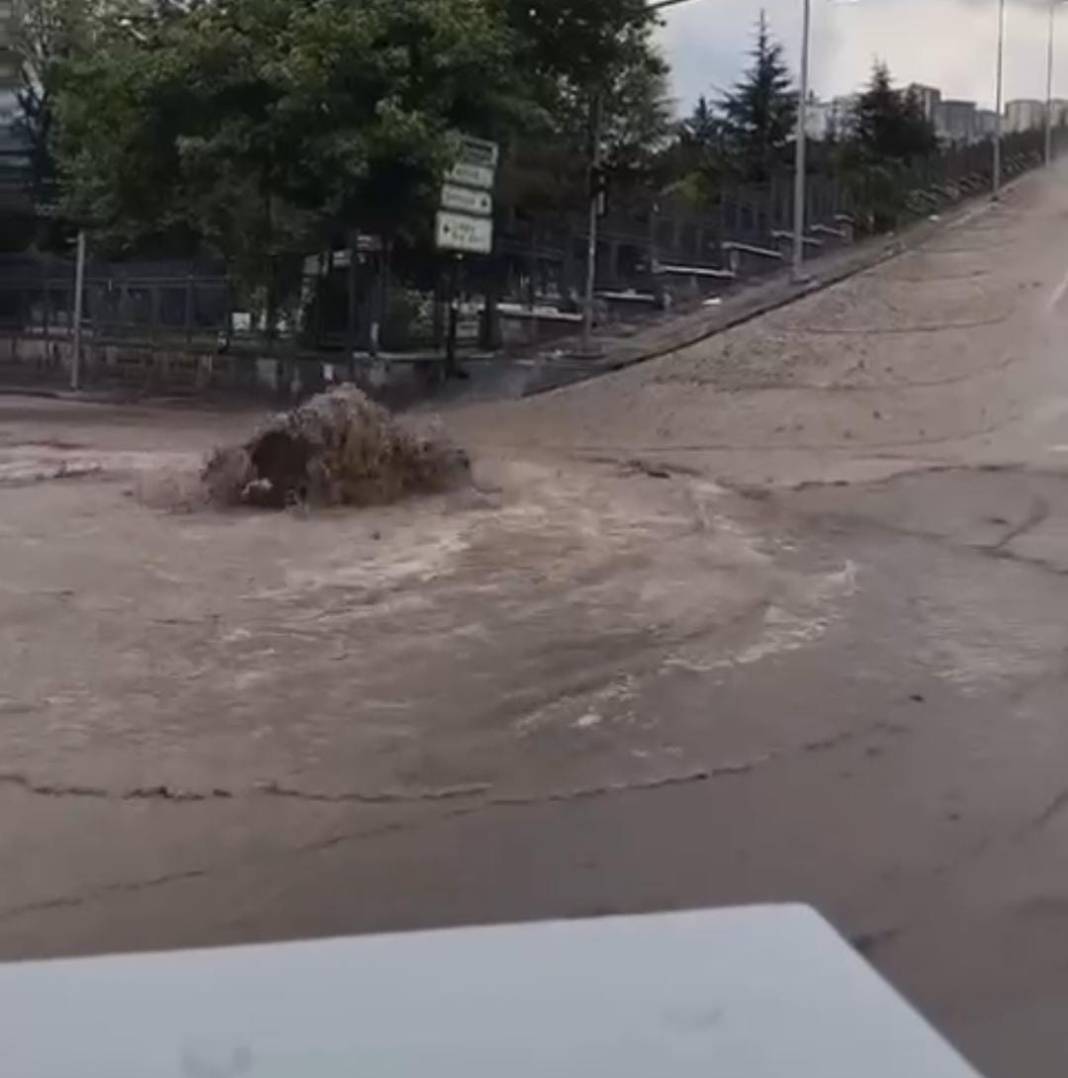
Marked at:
<point>945,43</point>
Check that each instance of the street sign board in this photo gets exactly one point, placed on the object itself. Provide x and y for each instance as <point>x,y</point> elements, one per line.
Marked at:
<point>466,200</point>
<point>480,176</point>
<point>460,232</point>
<point>465,217</point>
<point>478,151</point>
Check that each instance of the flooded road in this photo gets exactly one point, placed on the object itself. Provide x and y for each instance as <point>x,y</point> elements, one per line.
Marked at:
<point>778,617</point>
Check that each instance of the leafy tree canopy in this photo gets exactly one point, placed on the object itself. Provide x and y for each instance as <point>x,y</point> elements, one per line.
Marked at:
<point>258,126</point>
<point>578,46</point>
<point>48,33</point>
<point>578,58</point>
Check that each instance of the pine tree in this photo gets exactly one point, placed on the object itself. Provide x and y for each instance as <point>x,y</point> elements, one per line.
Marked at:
<point>760,114</point>
<point>890,124</point>
<point>703,127</point>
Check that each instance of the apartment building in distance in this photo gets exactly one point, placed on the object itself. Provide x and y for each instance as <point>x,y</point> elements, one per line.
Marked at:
<point>929,98</point>
<point>954,121</point>
<point>1024,115</point>
<point>1059,111</point>
<point>957,121</point>
<point>825,120</point>
<point>987,123</point>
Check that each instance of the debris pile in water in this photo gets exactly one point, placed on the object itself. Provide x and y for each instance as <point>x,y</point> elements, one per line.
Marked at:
<point>339,448</point>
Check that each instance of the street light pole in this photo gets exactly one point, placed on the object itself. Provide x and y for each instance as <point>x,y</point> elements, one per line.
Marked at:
<point>1049,83</point>
<point>802,133</point>
<point>596,125</point>
<point>596,114</point>
<point>998,104</point>
<point>79,307</point>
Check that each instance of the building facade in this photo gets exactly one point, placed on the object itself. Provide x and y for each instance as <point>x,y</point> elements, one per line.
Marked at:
<point>833,119</point>
<point>929,98</point>
<point>987,123</point>
<point>817,119</point>
<point>1024,115</point>
<point>957,121</point>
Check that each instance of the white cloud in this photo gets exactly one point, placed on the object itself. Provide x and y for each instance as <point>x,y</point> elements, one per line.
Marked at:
<point>944,43</point>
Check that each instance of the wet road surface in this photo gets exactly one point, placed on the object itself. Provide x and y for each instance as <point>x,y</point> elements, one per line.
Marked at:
<point>779,617</point>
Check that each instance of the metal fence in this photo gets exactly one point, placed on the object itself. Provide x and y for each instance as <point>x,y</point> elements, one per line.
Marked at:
<point>652,252</point>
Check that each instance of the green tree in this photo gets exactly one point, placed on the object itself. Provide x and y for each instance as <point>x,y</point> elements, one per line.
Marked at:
<point>638,119</point>
<point>260,127</point>
<point>889,124</point>
<point>579,59</point>
<point>703,127</point>
<point>48,33</point>
<point>760,114</point>
<point>571,48</point>
<point>693,164</point>
<point>577,53</point>
<point>889,136</point>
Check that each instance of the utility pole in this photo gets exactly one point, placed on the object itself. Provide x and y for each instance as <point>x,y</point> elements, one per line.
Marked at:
<point>799,166</point>
<point>998,105</point>
<point>596,114</point>
<point>79,295</point>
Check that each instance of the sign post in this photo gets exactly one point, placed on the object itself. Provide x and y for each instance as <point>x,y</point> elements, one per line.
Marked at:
<point>79,306</point>
<point>464,222</point>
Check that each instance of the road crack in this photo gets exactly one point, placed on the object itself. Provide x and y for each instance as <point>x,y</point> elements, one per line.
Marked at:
<point>999,550</point>
<point>102,793</point>
<point>383,797</point>
<point>479,803</point>
<point>1038,515</point>
<point>1050,812</point>
<point>479,791</point>
<point>94,894</point>
<point>178,795</point>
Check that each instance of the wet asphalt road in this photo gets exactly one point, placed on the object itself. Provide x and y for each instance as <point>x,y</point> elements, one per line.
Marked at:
<point>792,628</point>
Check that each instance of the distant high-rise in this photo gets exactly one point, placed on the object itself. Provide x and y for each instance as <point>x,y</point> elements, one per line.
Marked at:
<point>1024,115</point>
<point>987,123</point>
<point>830,119</point>
<point>929,98</point>
<point>957,121</point>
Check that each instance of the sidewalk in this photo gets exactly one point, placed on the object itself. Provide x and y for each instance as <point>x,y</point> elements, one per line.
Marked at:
<point>530,376</point>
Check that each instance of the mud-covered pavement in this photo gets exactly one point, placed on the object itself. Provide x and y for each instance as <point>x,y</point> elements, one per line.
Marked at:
<point>778,617</point>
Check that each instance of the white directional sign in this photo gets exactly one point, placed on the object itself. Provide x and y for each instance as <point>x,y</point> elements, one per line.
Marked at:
<point>479,151</point>
<point>471,175</point>
<point>459,232</point>
<point>466,200</point>
<point>465,219</point>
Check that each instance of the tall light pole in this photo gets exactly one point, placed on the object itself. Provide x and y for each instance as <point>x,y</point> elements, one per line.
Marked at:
<point>596,126</point>
<point>1049,81</point>
<point>802,136</point>
<point>79,308</point>
<point>596,119</point>
<point>998,101</point>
